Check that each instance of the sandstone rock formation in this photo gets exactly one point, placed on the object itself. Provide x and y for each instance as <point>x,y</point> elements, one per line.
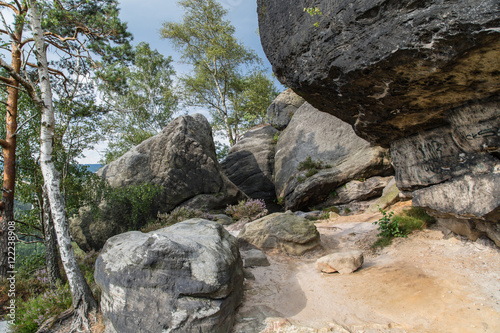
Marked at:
<point>181,160</point>
<point>344,262</point>
<point>281,111</point>
<point>359,190</point>
<point>250,163</point>
<point>324,139</point>
<point>185,278</point>
<point>420,77</point>
<point>284,232</point>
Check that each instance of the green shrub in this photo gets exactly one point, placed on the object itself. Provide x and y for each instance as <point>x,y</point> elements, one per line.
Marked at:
<point>421,214</point>
<point>276,137</point>
<point>331,209</point>
<point>309,164</point>
<point>251,209</point>
<point>311,172</point>
<point>400,225</point>
<point>32,313</point>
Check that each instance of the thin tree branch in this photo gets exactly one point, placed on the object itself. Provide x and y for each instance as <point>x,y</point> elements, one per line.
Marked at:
<point>25,122</point>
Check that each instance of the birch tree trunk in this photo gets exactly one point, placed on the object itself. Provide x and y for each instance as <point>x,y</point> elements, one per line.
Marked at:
<point>51,257</point>
<point>83,300</point>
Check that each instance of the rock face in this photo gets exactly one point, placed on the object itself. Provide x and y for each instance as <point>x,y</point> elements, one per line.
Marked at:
<point>185,278</point>
<point>342,262</point>
<point>250,163</point>
<point>283,108</point>
<point>420,77</point>
<point>181,160</point>
<point>284,232</point>
<point>359,190</point>
<point>389,68</point>
<point>328,140</point>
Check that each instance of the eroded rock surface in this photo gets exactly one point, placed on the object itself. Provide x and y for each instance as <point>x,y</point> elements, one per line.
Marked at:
<point>281,111</point>
<point>389,68</point>
<point>284,232</point>
<point>186,278</point>
<point>327,140</point>
<point>181,161</point>
<point>250,163</point>
<point>419,76</point>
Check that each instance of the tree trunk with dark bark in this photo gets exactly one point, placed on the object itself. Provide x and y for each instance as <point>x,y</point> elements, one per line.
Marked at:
<point>9,154</point>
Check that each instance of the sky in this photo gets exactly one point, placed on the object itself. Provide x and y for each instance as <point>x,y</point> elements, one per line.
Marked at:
<point>145,19</point>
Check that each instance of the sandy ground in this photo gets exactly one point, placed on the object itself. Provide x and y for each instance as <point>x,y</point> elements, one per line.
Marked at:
<point>424,283</point>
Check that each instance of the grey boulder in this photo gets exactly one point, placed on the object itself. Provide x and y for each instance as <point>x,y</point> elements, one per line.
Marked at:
<point>328,140</point>
<point>281,111</point>
<point>284,232</point>
<point>186,278</point>
<point>250,163</point>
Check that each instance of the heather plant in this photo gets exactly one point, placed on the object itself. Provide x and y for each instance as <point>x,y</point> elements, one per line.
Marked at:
<point>30,314</point>
<point>251,209</point>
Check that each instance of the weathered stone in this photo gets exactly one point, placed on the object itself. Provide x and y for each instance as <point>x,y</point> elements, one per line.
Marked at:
<point>467,205</point>
<point>284,232</point>
<point>342,262</point>
<point>283,108</point>
<point>389,68</point>
<point>390,195</point>
<point>250,163</point>
<point>223,219</point>
<point>359,190</point>
<point>254,258</point>
<point>185,278</point>
<point>181,161</point>
<point>420,76</point>
<point>326,139</point>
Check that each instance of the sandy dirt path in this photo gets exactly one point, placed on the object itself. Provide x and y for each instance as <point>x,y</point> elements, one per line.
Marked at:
<point>424,283</point>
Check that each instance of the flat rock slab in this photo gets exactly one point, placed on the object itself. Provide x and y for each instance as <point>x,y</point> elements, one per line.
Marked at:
<point>342,262</point>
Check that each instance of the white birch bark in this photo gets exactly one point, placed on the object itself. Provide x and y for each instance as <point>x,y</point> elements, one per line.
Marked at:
<point>83,300</point>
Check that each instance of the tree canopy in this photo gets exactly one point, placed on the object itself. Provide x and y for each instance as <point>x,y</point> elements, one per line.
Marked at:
<point>225,76</point>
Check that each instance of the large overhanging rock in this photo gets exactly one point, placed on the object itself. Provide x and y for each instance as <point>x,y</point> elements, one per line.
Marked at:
<point>422,77</point>
<point>250,163</point>
<point>388,67</point>
<point>186,278</point>
<point>324,139</point>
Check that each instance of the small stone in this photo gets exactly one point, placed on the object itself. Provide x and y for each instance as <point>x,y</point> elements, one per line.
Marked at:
<point>255,258</point>
<point>342,262</point>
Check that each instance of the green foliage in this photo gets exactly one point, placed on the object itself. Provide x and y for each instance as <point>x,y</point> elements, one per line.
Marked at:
<point>421,214</point>
<point>143,103</point>
<point>311,167</point>
<point>333,209</point>
<point>37,300</point>
<point>177,215</point>
<point>221,150</point>
<point>222,79</point>
<point>400,225</point>
<point>250,209</point>
<point>347,210</point>
<point>134,206</point>
<point>280,201</point>
<point>312,11</point>
<point>309,164</point>
<point>30,314</point>
<point>276,137</point>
